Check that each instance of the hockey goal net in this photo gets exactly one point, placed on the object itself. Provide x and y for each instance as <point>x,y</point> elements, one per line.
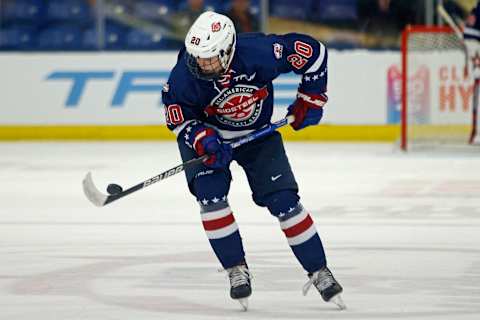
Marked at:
<point>437,96</point>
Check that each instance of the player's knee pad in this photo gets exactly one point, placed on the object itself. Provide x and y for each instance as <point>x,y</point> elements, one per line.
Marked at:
<point>211,188</point>
<point>281,201</point>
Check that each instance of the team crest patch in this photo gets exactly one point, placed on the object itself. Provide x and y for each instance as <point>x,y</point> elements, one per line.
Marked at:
<point>238,106</point>
<point>277,50</point>
<point>216,26</point>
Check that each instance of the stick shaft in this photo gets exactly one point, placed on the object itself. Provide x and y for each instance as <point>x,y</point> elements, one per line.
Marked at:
<point>155,179</point>
<point>449,20</point>
<point>99,199</point>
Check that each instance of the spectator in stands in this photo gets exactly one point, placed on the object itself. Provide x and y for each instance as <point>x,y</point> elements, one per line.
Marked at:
<point>184,18</point>
<point>193,10</point>
<point>241,16</point>
<point>456,11</point>
<point>384,20</point>
<point>382,16</point>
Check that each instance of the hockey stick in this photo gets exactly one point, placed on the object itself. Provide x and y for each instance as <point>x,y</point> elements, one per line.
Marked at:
<point>444,14</point>
<point>473,134</point>
<point>449,20</point>
<point>100,199</point>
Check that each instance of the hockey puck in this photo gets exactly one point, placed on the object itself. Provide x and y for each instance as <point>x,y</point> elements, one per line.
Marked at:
<point>114,188</point>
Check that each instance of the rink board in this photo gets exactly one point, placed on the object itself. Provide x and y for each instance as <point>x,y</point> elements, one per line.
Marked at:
<point>117,96</point>
<point>387,133</point>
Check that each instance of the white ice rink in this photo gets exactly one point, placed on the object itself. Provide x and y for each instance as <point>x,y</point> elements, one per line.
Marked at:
<point>401,232</point>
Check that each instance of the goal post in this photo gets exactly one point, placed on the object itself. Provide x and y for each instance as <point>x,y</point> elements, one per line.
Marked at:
<point>437,94</point>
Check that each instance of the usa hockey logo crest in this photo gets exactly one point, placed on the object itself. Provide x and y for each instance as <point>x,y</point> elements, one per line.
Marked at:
<point>216,26</point>
<point>239,106</point>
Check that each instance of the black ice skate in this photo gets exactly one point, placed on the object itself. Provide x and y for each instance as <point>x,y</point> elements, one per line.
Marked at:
<point>326,284</point>
<point>240,287</point>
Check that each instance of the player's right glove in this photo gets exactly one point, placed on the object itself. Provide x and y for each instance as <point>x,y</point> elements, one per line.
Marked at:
<point>307,109</point>
<point>206,140</point>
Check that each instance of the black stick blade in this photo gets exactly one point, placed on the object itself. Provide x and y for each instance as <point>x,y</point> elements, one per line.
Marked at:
<point>93,194</point>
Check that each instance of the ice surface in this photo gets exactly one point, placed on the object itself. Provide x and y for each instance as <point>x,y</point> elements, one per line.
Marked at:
<point>401,232</point>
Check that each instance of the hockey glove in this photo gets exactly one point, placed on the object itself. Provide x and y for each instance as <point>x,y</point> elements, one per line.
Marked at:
<point>206,140</point>
<point>307,109</point>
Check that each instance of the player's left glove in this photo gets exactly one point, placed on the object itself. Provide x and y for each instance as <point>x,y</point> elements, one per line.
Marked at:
<point>307,109</point>
<point>206,140</point>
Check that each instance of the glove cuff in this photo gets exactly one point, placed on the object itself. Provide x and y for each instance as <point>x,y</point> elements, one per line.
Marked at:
<point>313,100</point>
<point>198,138</point>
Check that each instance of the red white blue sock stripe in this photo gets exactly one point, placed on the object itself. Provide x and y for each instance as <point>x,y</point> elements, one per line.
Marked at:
<point>219,224</point>
<point>298,228</point>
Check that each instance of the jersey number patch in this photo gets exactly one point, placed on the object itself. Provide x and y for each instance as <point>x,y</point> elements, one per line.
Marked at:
<point>304,51</point>
<point>195,41</point>
<point>174,115</point>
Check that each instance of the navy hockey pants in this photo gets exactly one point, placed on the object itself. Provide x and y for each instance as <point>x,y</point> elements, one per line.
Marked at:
<point>273,186</point>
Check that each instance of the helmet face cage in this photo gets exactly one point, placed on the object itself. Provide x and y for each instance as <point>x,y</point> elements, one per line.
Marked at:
<point>197,71</point>
<point>210,45</point>
<point>224,58</point>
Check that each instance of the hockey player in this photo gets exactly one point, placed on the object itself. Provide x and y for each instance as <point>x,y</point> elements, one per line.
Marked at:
<point>471,34</point>
<point>220,89</point>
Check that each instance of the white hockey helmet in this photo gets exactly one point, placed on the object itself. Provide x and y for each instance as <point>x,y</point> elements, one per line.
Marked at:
<point>211,35</point>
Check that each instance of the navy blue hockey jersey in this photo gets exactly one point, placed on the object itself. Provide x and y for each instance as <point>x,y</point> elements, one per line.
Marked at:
<point>242,99</point>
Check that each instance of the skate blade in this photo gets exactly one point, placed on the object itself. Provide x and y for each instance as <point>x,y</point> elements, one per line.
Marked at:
<point>339,302</point>
<point>244,303</point>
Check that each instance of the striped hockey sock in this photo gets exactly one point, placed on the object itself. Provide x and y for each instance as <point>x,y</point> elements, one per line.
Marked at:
<point>303,238</point>
<point>223,234</point>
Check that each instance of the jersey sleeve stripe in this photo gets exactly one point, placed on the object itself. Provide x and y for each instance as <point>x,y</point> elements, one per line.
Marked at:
<point>318,63</point>
<point>179,129</point>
